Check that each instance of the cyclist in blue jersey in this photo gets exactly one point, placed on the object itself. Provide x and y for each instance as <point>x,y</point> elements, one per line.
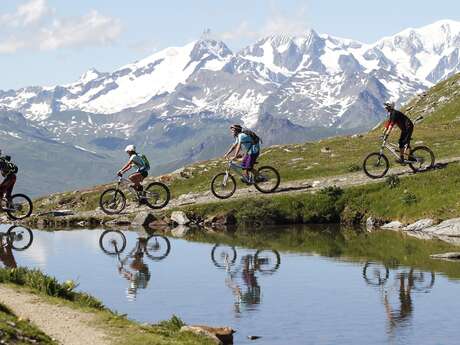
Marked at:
<point>250,150</point>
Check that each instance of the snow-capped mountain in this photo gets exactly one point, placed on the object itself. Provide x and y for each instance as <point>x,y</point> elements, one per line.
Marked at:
<point>176,102</point>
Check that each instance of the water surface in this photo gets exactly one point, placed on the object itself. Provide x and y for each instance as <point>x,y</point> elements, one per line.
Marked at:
<point>264,285</point>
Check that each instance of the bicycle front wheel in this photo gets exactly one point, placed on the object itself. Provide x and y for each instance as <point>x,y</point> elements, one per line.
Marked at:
<point>423,159</point>
<point>157,195</point>
<point>21,207</point>
<point>223,185</point>
<point>223,256</point>
<point>112,242</point>
<point>112,201</point>
<point>157,247</point>
<point>267,179</point>
<point>376,165</point>
<point>19,238</point>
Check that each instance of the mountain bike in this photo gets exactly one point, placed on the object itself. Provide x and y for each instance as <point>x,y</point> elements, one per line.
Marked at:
<point>156,195</point>
<point>376,164</point>
<point>266,179</point>
<point>19,207</point>
<point>17,237</point>
<point>156,247</point>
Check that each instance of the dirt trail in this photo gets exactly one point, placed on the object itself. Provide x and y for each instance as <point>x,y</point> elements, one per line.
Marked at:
<point>300,186</point>
<point>66,325</point>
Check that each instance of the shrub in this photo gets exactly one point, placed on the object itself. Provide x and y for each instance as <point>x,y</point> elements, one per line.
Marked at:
<point>409,198</point>
<point>393,181</point>
<point>333,192</point>
<point>354,167</point>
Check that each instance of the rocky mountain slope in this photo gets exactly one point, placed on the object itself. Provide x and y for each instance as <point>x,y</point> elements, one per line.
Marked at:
<point>176,104</point>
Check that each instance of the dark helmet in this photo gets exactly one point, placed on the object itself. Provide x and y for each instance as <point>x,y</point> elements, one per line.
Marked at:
<point>389,105</point>
<point>237,128</point>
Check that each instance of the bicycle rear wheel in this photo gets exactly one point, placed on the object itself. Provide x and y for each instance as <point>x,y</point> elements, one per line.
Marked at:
<point>376,165</point>
<point>21,207</point>
<point>223,256</point>
<point>112,242</point>
<point>424,159</point>
<point>112,201</point>
<point>267,261</point>
<point>157,195</point>
<point>223,185</point>
<point>267,179</point>
<point>19,238</point>
<point>157,247</point>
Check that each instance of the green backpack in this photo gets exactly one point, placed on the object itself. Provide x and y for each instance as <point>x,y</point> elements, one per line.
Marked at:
<point>146,162</point>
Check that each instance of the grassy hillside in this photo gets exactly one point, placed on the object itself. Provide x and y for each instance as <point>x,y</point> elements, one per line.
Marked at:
<point>439,129</point>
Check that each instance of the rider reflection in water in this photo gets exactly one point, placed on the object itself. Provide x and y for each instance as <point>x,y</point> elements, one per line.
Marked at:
<point>137,272</point>
<point>6,256</point>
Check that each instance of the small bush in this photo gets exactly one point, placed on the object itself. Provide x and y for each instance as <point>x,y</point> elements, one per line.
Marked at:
<point>393,181</point>
<point>333,192</point>
<point>409,198</point>
<point>354,167</point>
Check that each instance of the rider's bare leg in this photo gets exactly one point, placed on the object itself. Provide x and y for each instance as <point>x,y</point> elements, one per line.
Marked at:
<point>136,179</point>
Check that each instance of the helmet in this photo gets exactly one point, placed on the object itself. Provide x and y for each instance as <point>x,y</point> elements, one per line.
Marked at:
<point>236,127</point>
<point>389,105</point>
<point>130,148</point>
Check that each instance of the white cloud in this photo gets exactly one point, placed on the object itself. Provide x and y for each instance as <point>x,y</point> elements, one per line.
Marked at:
<point>26,14</point>
<point>35,26</point>
<point>90,29</point>
<point>276,23</point>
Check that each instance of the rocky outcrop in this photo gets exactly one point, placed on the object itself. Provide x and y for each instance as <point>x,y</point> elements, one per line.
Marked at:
<point>220,335</point>
<point>449,227</point>
<point>180,218</point>
<point>419,225</point>
<point>143,218</point>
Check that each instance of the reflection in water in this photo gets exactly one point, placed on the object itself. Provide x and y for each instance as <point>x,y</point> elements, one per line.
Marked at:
<point>15,238</point>
<point>262,261</point>
<point>406,281</point>
<point>132,266</point>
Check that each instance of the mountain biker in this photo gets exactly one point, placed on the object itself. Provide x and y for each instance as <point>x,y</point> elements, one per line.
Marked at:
<point>135,161</point>
<point>8,170</point>
<point>405,125</point>
<point>250,149</point>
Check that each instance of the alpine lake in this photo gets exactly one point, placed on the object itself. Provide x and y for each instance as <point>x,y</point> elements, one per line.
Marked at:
<point>278,285</point>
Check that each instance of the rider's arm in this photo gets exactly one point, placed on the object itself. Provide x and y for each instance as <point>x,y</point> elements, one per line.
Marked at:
<point>125,168</point>
<point>237,150</point>
<point>230,150</point>
<point>388,128</point>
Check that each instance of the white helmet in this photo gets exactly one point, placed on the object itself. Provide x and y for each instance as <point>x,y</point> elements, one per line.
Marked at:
<point>389,105</point>
<point>130,148</point>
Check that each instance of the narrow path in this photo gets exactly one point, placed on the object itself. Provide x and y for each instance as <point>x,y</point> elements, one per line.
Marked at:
<point>66,325</point>
<point>300,186</point>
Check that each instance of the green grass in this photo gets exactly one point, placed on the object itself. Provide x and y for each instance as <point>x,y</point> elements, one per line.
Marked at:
<point>432,194</point>
<point>119,328</point>
<point>17,331</point>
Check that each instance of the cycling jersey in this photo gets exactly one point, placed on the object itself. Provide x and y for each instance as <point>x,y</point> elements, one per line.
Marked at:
<point>247,143</point>
<point>138,162</point>
<point>399,119</point>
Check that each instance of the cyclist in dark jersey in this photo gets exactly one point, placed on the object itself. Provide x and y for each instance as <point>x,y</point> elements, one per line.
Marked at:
<point>405,125</point>
<point>8,171</point>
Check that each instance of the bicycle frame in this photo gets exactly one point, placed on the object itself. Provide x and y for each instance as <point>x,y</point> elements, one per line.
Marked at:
<point>390,147</point>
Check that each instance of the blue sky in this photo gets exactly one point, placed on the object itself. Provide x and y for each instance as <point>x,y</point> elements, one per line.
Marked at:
<point>48,42</point>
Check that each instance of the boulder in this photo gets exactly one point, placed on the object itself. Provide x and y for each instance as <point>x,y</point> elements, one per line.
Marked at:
<point>326,150</point>
<point>419,225</point>
<point>370,224</point>
<point>143,218</point>
<point>180,218</point>
<point>449,227</point>
<point>395,225</point>
<point>180,231</point>
<point>224,218</point>
<point>220,335</point>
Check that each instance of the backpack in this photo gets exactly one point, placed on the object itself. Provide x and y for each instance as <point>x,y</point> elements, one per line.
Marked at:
<point>146,162</point>
<point>255,138</point>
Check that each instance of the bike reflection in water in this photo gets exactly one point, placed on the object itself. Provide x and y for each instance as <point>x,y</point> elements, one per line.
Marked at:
<point>265,262</point>
<point>406,282</point>
<point>15,238</point>
<point>132,266</point>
